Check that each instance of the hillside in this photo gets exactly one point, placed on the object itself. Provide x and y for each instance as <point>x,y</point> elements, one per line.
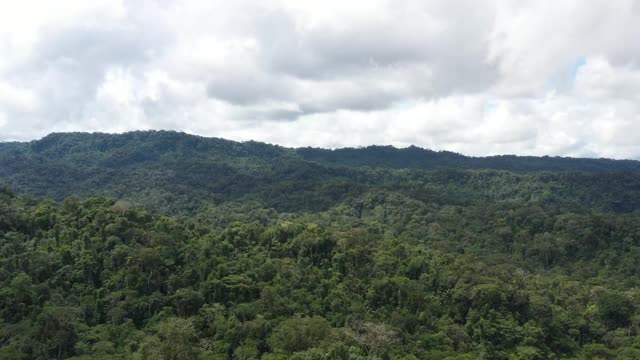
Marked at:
<point>117,149</point>
<point>162,245</point>
<point>180,174</point>
<point>386,278</point>
<point>418,158</point>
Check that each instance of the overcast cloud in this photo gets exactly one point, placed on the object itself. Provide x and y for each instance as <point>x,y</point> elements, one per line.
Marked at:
<point>478,77</point>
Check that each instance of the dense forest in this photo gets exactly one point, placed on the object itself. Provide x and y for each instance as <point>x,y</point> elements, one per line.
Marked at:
<point>162,245</point>
<point>180,174</point>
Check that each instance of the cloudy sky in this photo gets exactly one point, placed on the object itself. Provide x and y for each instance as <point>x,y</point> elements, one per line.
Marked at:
<point>478,77</point>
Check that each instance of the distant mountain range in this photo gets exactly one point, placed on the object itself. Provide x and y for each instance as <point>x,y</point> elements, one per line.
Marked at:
<point>171,142</point>
<point>177,172</point>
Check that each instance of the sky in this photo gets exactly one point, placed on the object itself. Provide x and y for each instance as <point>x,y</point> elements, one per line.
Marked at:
<point>479,77</point>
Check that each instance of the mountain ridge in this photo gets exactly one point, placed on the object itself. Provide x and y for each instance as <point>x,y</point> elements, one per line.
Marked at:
<point>176,173</point>
<point>384,156</point>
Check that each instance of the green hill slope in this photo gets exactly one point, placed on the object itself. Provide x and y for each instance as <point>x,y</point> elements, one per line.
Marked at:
<point>163,245</point>
<point>387,277</point>
<point>179,173</point>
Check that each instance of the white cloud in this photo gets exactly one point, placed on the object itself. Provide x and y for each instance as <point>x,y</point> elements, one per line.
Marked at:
<point>16,98</point>
<point>478,77</point>
<point>598,80</point>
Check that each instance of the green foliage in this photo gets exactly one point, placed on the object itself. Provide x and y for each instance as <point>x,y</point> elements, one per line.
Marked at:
<point>249,251</point>
<point>180,174</point>
<point>299,334</point>
<point>88,279</point>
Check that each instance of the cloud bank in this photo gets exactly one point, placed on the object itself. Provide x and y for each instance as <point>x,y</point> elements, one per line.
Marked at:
<point>478,77</point>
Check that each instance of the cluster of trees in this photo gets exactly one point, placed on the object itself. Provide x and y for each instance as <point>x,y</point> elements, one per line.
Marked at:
<point>162,245</point>
<point>418,158</point>
<point>180,174</point>
<point>381,276</point>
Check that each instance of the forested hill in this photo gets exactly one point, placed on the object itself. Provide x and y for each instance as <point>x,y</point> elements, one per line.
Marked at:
<point>148,145</point>
<point>162,245</point>
<point>175,173</point>
<point>418,158</point>
<point>386,277</point>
